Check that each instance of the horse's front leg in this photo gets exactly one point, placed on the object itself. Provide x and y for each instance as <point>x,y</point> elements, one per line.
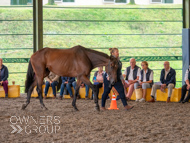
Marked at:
<point>94,89</point>
<point>87,82</point>
<point>75,95</point>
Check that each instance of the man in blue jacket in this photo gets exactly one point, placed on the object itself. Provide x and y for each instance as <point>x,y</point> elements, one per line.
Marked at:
<point>167,80</point>
<point>67,82</point>
<point>4,74</point>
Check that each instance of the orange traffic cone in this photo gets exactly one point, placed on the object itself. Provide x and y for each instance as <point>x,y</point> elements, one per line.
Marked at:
<point>113,105</point>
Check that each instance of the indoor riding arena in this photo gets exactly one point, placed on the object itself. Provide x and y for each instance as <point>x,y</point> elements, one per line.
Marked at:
<point>100,71</point>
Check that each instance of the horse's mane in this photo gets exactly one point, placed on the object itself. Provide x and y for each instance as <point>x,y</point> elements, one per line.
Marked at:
<point>97,58</point>
<point>97,52</point>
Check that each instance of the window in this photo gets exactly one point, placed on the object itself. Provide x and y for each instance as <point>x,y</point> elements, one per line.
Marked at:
<point>68,0</point>
<point>115,1</point>
<point>168,1</point>
<point>20,2</point>
<point>156,1</point>
<point>120,1</point>
<point>109,1</point>
<point>161,1</point>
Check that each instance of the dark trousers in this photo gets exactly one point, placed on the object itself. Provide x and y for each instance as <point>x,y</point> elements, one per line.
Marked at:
<point>5,86</point>
<point>118,86</point>
<point>184,90</point>
<point>68,85</point>
<point>53,85</point>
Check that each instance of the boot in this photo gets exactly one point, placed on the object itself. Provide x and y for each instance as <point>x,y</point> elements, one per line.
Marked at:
<point>54,97</point>
<point>87,98</point>
<point>151,100</point>
<point>45,97</point>
<point>60,97</point>
<point>78,96</point>
<point>6,95</point>
<point>180,101</point>
<point>186,99</point>
<point>168,100</point>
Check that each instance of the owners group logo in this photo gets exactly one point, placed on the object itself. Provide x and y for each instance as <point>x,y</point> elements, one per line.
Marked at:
<point>30,124</point>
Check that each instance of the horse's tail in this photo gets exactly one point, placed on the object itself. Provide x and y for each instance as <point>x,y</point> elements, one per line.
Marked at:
<point>29,77</point>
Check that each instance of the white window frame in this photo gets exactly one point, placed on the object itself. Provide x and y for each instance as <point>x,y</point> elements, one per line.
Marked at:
<point>113,2</point>
<point>58,0</point>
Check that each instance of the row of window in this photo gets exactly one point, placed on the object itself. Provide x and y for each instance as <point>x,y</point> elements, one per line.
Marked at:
<point>25,2</point>
<point>161,1</point>
<point>116,1</point>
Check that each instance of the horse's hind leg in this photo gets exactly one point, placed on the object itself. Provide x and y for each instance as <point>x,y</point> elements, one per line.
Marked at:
<point>87,82</point>
<point>39,90</point>
<point>75,95</point>
<point>29,95</point>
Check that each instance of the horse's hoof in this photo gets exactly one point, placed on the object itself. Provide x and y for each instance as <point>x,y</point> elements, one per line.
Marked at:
<point>97,108</point>
<point>44,107</point>
<point>23,106</point>
<point>76,109</point>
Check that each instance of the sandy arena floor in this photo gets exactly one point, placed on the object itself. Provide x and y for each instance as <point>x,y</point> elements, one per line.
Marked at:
<point>147,122</point>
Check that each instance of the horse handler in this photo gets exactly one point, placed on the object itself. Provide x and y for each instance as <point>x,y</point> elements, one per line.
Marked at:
<point>118,85</point>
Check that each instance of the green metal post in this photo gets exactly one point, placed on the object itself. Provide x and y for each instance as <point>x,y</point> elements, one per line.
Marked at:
<point>38,24</point>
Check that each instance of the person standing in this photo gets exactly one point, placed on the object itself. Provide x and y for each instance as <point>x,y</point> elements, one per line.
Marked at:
<point>118,85</point>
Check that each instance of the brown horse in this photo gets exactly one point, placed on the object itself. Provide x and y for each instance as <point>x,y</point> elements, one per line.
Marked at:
<point>74,62</point>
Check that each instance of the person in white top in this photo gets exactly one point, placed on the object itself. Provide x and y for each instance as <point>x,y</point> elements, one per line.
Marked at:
<point>131,76</point>
<point>145,80</point>
<point>186,87</point>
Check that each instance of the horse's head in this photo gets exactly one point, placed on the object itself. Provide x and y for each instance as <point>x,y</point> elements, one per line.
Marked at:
<point>111,69</point>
